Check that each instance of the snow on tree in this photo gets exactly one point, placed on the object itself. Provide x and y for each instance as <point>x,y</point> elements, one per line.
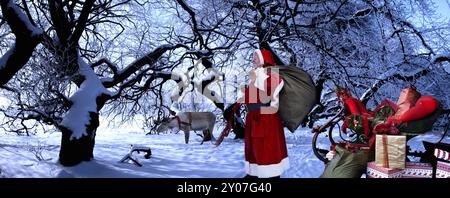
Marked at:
<point>27,36</point>
<point>371,47</point>
<point>82,59</point>
<point>78,86</point>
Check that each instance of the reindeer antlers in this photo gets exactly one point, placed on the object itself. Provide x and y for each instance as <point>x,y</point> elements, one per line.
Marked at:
<point>160,119</point>
<point>173,113</point>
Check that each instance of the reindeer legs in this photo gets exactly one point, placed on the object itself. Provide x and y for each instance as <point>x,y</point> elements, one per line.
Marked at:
<point>186,136</point>
<point>210,133</point>
<point>206,135</point>
<point>198,134</point>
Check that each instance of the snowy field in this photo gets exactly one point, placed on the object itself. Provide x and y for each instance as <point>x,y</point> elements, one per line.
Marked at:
<point>36,156</point>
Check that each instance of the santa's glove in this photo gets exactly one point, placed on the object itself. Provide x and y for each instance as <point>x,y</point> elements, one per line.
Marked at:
<point>330,155</point>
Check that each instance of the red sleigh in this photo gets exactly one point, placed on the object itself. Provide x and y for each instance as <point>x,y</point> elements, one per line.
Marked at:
<point>330,133</point>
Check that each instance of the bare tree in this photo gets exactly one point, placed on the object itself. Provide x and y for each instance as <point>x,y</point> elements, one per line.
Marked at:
<point>84,92</point>
<point>27,37</point>
<point>123,57</point>
<point>371,47</point>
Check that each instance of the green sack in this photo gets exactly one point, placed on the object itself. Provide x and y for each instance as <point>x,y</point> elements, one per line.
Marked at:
<point>347,164</point>
<point>297,97</point>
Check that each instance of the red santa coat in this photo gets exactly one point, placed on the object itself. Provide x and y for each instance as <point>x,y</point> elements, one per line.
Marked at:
<point>265,145</point>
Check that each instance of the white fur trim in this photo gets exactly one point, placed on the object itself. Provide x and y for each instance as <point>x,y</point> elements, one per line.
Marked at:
<point>265,171</point>
<point>261,76</point>
<point>260,57</point>
<point>276,99</point>
<point>241,92</point>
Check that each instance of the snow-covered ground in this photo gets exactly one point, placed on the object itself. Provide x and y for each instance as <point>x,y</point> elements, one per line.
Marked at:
<point>171,157</point>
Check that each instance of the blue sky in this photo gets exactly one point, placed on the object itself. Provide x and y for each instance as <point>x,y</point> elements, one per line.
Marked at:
<point>443,8</point>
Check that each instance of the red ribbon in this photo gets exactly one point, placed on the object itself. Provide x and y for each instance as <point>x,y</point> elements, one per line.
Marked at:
<point>385,150</point>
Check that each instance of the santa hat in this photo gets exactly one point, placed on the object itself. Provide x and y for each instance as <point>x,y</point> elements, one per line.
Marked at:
<point>263,57</point>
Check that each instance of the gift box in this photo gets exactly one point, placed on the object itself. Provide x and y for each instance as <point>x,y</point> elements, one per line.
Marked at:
<point>374,171</point>
<point>443,170</point>
<point>441,154</point>
<point>418,170</point>
<point>390,151</point>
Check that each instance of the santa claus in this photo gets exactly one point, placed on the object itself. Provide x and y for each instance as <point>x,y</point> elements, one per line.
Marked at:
<point>265,145</point>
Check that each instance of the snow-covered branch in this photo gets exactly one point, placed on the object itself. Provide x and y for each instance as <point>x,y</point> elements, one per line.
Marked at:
<point>379,83</point>
<point>108,63</point>
<point>27,35</point>
<point>191,13</point>
<point>442,58</point>
<point>147,59</point>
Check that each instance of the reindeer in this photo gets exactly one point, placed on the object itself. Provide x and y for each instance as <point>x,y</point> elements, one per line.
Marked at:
<point>190,121</point>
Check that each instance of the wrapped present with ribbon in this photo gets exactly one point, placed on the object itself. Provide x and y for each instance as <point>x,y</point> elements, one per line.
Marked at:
<point>442,154</point>
<point>443,169</point>
<point>390,151</point>
<point>418,170</point>
<point>375,171</point>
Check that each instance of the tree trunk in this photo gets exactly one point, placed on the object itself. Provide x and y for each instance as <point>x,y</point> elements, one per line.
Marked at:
<point>87,101</point>
<point>27,38</point>
<point>73,151</point>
